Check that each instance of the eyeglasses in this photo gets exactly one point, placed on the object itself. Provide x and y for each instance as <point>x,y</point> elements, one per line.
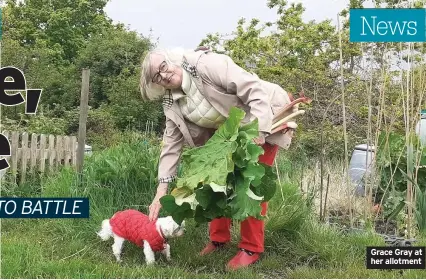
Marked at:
<point>157,77</point>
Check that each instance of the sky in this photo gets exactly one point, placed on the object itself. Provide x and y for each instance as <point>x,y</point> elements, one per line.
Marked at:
<point>184,23</point>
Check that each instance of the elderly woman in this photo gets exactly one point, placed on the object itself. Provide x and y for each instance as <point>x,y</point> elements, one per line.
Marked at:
<point>198,89</point>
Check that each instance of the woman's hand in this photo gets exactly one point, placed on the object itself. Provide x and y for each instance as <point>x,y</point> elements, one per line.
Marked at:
<point>155,206</point>
<point>260,140</point>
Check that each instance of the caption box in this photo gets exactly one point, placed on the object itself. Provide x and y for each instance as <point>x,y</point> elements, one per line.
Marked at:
<point>50,207</point>
<point>395,258</point>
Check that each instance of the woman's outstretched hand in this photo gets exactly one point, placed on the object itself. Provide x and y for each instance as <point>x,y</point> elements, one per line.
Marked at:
<point>154,208</point>
<point>260,140</point>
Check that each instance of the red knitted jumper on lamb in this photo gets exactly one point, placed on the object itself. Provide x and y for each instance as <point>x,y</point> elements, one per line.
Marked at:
<point>135,226</point>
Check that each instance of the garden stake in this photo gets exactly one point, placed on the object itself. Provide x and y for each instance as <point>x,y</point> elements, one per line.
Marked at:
<point>279,180</point>
<point>326,196</point>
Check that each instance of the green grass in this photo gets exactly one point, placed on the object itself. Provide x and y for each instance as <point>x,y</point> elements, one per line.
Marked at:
<point>55,249</point>
<point>296,246</point>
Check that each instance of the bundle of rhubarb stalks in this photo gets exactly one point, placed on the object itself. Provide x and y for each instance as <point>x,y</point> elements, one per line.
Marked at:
<point>283,121</point>
<point>224,178</point>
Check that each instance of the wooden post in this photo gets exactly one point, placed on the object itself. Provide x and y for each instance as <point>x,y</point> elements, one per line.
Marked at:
<point>84,108</point>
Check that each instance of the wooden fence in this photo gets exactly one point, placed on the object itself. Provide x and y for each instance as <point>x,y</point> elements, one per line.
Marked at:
<point>39,152</point>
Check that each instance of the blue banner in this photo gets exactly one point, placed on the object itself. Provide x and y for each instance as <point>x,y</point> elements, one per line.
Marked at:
<point>51,207</point>
<point>387,25</point>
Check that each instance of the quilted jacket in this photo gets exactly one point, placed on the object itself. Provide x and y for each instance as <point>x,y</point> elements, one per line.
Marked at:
<point>135,226</point>
<point>195,107</point>
<point>225,85</point>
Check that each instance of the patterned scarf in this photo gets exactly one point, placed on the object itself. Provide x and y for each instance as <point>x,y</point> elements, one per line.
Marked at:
<point>167,98</point>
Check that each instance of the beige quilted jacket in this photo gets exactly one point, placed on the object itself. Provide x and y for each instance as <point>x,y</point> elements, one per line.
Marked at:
<point>225,85</point>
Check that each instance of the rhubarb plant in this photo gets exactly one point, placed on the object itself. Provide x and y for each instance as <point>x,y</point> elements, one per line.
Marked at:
<point>223,178</point>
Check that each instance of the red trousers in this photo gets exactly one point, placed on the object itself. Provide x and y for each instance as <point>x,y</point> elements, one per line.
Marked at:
<point>252,230</point>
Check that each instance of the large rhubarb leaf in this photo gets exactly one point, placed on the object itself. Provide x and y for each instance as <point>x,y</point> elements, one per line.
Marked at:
<point>254,173</point>
<point>223,178</point>
<point>183,195</point>
<point>209,163</point>
<point>251,129</point>
<point>268,186</point>
<point>243,206</point>
<point>211,205</point>
<point>228,131</point>
<point>246,151</point>
<point>178,212</point>
<point>213,161</point>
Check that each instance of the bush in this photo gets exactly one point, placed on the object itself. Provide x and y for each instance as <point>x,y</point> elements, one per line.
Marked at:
<point>393,163</point>
<point>38,123</point>
<point>127,163</point>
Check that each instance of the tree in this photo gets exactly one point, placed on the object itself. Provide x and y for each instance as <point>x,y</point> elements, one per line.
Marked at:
<point>298,56</point>
<point>51,41</point>
<point>63,25</point>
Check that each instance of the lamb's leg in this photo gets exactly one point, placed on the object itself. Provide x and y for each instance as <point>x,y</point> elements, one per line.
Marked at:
<point>149,254</point>
<point>166,252</point>
<point>117,246</point>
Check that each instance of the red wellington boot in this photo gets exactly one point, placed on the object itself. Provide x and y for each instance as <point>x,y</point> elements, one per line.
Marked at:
<point>242,259</point>
<point>211,247</point>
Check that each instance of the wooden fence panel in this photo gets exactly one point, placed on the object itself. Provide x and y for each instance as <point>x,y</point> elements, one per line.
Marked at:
<point>58,151</point>
<point>42,154</point>
<point>36,151</point>
<point>51,152</point>
<point>14,151</point>
<point>24,156</point>
<point>67,152</point>
<point>33,152</point>
<point>73,150</point>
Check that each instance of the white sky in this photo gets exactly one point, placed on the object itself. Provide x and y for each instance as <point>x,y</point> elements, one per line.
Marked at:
<point>184,23</point>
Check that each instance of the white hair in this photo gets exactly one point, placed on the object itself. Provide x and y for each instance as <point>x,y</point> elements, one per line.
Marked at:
<point>150,90</point>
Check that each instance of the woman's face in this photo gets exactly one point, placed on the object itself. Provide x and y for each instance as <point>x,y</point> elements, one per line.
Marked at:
<point>167,75</point>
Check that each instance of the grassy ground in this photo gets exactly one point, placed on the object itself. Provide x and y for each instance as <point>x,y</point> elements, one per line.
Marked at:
<point>124,177</point>
<point>50,249</point>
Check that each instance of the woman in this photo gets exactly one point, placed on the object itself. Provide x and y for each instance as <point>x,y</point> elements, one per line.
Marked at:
<point>198,89</point>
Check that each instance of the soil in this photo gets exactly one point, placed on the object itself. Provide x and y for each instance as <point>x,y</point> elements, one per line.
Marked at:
<point>341,220</point>
<point>388,228</point>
